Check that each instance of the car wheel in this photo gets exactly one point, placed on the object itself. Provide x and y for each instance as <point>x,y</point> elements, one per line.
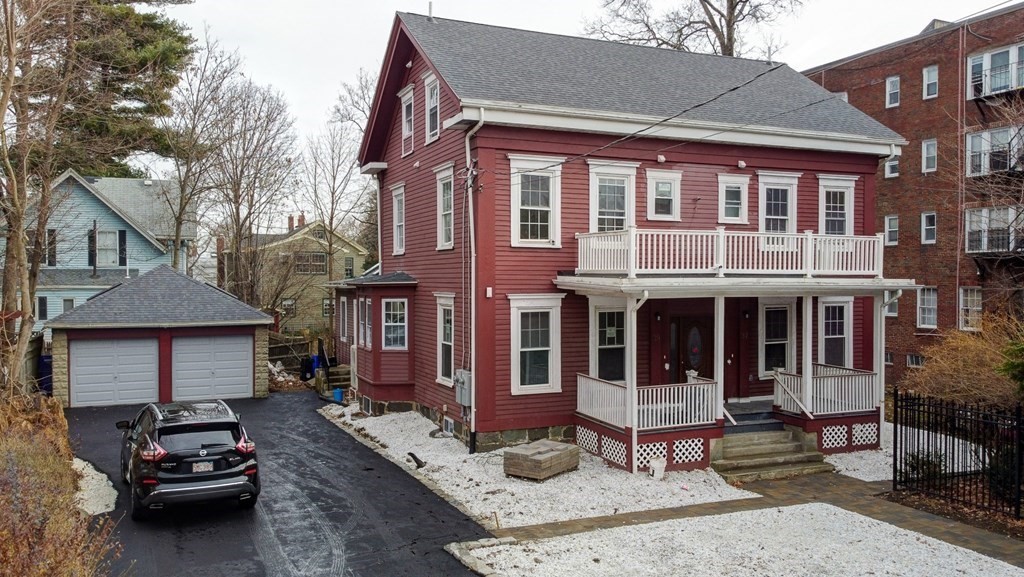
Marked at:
<point>248,503</point>
<point>138,511</point>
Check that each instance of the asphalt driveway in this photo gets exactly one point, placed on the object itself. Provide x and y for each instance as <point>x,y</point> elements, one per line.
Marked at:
<point>329,506</point>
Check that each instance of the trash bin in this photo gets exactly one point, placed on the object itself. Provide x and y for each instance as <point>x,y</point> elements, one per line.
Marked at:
<point>45,380</point>
<point>307,368</point>
<point>337,395</point>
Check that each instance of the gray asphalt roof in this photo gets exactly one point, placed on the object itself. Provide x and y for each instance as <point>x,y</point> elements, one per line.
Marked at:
<point>398,277</point>
<point>161,297</point>
<point>481,62</point>
<point>145,203</point>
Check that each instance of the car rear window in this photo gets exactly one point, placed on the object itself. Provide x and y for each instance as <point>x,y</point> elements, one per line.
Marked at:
<point>198,436</point>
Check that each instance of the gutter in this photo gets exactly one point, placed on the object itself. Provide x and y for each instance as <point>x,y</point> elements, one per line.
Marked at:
<point>472,286</point>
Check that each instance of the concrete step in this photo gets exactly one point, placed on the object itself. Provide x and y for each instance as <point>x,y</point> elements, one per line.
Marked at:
<point>753,426</point>
<point>776,472</point>
<point>756,438</point>
<point>769,460</point>
<point>749,450</point>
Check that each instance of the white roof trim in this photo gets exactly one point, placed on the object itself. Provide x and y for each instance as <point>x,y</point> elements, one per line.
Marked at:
<point>693,287</point>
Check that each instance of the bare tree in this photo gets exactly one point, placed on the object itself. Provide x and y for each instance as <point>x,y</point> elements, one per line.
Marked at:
<point>355,101</point>
<point>253,173</point>
<point>194,131</point>
<point>708,26</point>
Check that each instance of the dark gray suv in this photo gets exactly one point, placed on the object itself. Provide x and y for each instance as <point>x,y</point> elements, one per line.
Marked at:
<point>187,452</point>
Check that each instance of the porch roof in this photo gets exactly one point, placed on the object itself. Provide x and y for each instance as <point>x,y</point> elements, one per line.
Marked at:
<point>705,286</point>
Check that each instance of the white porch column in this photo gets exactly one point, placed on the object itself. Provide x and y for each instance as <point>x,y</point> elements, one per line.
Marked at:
<point>879,356</point>
<point>808,362</point>
<point>720,355</point>
<point>632,416</point>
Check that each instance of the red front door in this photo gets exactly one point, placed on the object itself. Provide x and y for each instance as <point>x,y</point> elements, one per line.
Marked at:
<point>690,347</point>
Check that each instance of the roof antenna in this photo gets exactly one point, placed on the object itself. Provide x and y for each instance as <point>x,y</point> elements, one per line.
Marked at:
<point>430,11</point>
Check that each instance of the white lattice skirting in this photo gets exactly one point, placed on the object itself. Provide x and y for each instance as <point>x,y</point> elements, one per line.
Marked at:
<point>687,451</point>
<point>613,450</point>
<point>648,451</point>
<point>865,434</point>
<point>834,436</point>
<point>587,439</point>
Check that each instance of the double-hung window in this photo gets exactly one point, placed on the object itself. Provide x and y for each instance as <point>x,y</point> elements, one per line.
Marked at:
<point>776,337</point>
<point>892,230</point>
<point>67,305</point>
<point>777,207</point>
<point>342,319</point>
<point>42,313</point>
<point>350,267</point>
<point>536,343</point>
<point>396,324</point>
<point>398,219</point>
<point>892,91</point>
<point>610,328</point>
<point>970,308</point>
<point>990,230</point>
<point>930,81</point>
<point>893,308</point>
<point>929,155</point>
<point>928,308</point>
<point>288,307</point>
<point>445,338</point>
<point>612,194</point>
<point>835,346</point>
<point>327,307</point>
<point>432,108</point>
<point>732,198</point>
<point>107,249</point>
<point>445,207</point>
<point>536,197</point>
<point>892,167</point>
<point>663,192</point>
<point>994,150</point>
<point>929,228</point>
<point>406,96</point>
<point>835,207</point>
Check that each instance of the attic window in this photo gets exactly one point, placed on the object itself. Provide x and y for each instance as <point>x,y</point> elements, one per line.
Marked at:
<point>320,234</point>
<point>433,114</point>
<point>407,119</point>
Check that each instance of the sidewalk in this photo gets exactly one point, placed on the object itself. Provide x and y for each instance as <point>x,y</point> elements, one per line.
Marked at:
<point>834,489</point>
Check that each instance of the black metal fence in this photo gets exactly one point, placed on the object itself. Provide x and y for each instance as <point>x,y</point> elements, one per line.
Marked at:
<point>959,453</point>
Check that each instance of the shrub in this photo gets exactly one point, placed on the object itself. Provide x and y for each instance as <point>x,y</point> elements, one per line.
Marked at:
<point>42,532</point>
<point>1002,475</point>
<point>923,465</point>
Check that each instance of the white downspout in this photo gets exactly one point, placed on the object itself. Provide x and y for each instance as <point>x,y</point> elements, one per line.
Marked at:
<point>380,239</point>
<point>472,283</point>
<point>633,397</point>
<point>808,360</point>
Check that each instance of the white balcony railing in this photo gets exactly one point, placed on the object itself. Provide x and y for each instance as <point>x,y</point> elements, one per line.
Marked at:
<point>672,252</point>
<point>996,79</point>
<point>658,407</point>
<point>833,390</point>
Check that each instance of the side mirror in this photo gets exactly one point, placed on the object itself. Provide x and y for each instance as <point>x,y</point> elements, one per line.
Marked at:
<point>123,425</point>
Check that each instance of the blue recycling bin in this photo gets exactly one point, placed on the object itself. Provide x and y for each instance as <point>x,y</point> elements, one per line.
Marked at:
<point>337,395</point>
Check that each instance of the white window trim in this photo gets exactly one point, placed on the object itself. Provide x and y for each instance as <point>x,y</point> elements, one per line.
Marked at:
<point>360,322</point>
<point>924,155</point>
<point>430,83</point>
<point>985,219</point>
<point>384,324</point>
<point>117,248</point>
<point>891,163</point>
<point>444,301</point>
<point>960,309</point>
<point>552,303</point>
<point>847,183</point>
<point>919,307</point>
<point>915,356</point>
<point>1015,150</point>
<point>847,304</point>
<point>772,179</point>
<point>675,177</point>
<point>790,305</point>
<point>323,306</point>
<point>986,69</point>
<point>445,172</point>
<point>599,304</point>
<point>889,91</point>
<point>341,317</point>
<point>550,166</point>
<point>615,169</point>
<point>924,216</point>
<point>397,191</point>
<point>888,310</point>
<point>885,237</point>
<point>406,96</point>
<point>742,181</point>
<point>925,82</point>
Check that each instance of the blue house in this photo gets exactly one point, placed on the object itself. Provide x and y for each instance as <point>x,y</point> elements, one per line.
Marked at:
<point>102,231</point>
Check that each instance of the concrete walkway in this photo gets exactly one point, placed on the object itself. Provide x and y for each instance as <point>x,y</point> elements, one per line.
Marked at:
<point>831,488</point>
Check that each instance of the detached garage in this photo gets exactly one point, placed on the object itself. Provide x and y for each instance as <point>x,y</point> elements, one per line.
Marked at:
<point>160,337</point>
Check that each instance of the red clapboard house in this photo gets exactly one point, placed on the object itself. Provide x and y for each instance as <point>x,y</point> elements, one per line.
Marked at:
<point>617,245</point>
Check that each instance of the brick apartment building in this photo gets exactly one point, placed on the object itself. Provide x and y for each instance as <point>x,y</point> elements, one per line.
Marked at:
<point>951,206</point>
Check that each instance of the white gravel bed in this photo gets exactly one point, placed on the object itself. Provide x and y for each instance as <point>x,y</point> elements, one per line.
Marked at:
<point>814,540</point>
<point>96,494</point>
<point>479,483</point>
<point>869,466</point>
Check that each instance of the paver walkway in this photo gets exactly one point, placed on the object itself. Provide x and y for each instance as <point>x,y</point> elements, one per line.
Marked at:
<point>831,488</point>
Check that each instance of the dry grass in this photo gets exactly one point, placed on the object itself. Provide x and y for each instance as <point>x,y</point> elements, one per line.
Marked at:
<point>962,366</point>
<point>42,532</point>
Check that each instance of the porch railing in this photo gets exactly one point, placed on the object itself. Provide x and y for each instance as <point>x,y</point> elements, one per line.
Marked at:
<point>644,251</point>
<point>658,407</point>
<point>833,390</point>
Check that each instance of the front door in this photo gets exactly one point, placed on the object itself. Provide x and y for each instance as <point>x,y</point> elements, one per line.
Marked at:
<point>691,347</point>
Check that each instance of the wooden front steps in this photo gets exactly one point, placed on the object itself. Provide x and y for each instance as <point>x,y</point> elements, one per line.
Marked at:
<point>771,454</point>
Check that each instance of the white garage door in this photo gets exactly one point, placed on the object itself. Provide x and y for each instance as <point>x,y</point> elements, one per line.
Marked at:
<point>114,372</point>
<point>211,367</point>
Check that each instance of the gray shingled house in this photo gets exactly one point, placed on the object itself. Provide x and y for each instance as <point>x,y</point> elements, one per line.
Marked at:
<point>160,337</point>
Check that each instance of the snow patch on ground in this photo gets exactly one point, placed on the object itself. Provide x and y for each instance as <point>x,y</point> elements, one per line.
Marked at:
<point>479,483</point>
<point>867,465</point>
<point>96,494</point>
<point>805,540</point>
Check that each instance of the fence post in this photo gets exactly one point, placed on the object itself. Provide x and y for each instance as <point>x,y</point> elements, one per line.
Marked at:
<point>1017,462</point>
<point>895,434</point>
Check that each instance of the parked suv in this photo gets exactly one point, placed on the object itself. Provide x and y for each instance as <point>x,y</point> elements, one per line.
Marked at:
<point>187,452</point>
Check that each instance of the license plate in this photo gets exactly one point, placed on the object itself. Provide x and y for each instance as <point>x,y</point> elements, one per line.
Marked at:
<point>202,467</point>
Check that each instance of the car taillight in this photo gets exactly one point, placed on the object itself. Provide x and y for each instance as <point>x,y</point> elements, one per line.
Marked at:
<point>150,481</point>
<point>249,471</point>
<point>245,446</point>
<point>153,452</point>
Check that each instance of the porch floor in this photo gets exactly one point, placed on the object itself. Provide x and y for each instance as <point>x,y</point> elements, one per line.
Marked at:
<point>749,408</point>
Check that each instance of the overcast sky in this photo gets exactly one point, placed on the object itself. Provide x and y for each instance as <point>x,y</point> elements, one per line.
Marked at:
<point>307,48</point>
